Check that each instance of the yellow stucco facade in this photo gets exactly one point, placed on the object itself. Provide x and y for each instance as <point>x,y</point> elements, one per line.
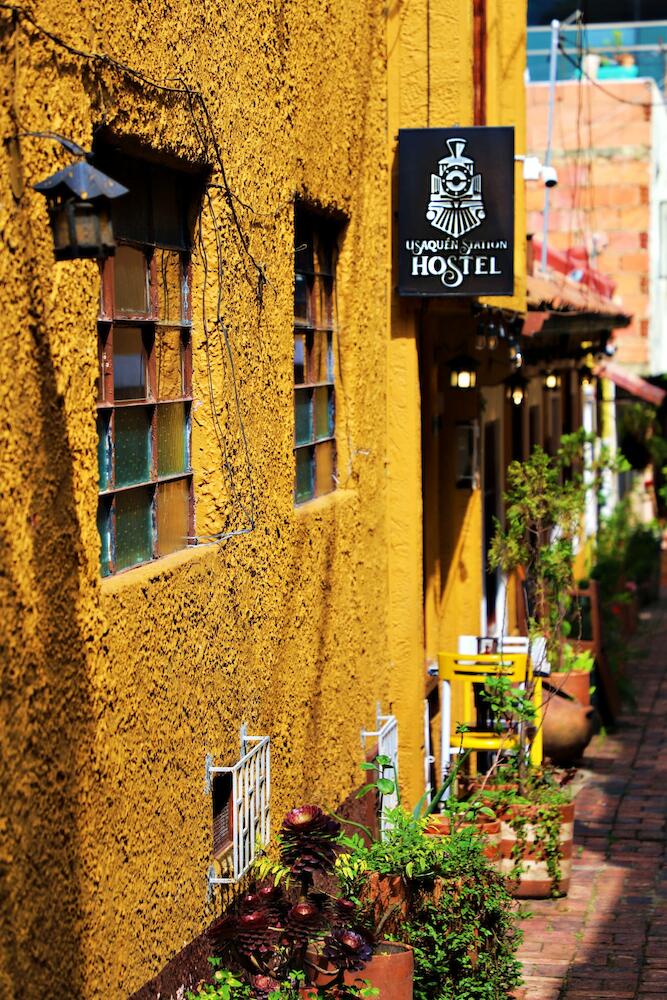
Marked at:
<point>114,691</point>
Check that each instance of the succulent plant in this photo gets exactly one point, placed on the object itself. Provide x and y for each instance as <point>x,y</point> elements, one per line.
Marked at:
<point>253,932</point>
<point>304,920</point>
<point>272,898</point>
<point>222,931</point>
<point>347,950</point>
<point>262,986</point>
<point>308,840</point>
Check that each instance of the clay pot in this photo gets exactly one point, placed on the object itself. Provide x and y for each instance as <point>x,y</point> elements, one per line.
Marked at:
<point>390,970</point>
<point>534,881</point>
<point>387,893</point>
<point>568,727</point>
<point>440,826</point>
<point>576,683</point>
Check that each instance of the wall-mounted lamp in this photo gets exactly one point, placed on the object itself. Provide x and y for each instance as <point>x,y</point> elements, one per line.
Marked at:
<point>79,205</point>
<point>516,389</point>
<point>463,372</point>
<point>552,381</point>
<point>492,334</point>
<point>480,333</point>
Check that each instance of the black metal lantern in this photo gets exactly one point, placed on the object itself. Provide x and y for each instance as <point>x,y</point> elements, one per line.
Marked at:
<point>463,372</point>
<point>516,389</point>
<point>551,381</point>
<point>586,377</point>
<point>79,204</point>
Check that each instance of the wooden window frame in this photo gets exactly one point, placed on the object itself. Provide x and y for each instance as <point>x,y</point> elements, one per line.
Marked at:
<point>150,325</point>
<point>316,322</point>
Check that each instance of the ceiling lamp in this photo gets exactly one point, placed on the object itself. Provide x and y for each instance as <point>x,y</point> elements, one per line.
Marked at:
<point>552,381</point>
<point>463,372</point>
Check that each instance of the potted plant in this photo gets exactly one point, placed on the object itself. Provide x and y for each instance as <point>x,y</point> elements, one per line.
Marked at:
<point>445,899</point>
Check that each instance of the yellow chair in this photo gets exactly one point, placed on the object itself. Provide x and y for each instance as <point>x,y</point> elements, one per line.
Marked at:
<point>459,674</point>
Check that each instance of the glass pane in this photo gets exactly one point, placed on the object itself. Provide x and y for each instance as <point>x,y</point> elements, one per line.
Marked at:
<point>173,501</point>
<point>132,440</point>
<point>299,359</point>
<point>104,528</point>
<point>104,449</point>
<point>169,284</point>
<point>301,311</point>
<point>129,363</point>
<point>321,358</point>
<point>303,416</point>
<point>303,489</point>
<point>134,542</point>
<point>325,467</point>
<point>171,437</point>
<point>169,363</point>
<point>130,281</point>
<point>324,412</point>
<point>323,303</point>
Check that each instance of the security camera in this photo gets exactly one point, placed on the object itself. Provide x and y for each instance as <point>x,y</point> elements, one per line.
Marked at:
<point>549,176</point>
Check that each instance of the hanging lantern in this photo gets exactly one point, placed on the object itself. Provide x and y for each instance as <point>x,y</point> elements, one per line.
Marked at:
<point>79,205</point>
<point>492,335</point>
<point>480,334</point>
<point>552,381</point>
<point>463,372</point>
<point>586,377</point>
<point>516,389</point>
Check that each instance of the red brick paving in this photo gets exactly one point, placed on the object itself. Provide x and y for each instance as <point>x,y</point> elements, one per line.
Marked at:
<point>607,940</point>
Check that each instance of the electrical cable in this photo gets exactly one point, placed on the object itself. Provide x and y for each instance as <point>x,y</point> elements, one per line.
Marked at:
<point>609,93</point>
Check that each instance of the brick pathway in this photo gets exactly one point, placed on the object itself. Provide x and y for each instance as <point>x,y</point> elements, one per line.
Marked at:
<point>607,940</point>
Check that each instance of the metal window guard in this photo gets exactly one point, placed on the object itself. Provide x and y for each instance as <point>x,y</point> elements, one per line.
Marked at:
<point>386,734</point>
<point>251,793</point>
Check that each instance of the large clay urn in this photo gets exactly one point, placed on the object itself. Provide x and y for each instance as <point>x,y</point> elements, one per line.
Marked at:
<point>568,727</point>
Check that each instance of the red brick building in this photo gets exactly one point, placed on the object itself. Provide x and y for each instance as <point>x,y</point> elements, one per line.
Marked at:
<point>607,207</point>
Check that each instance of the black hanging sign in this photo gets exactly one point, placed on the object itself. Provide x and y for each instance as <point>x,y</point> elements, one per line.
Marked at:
<point>456,211</point>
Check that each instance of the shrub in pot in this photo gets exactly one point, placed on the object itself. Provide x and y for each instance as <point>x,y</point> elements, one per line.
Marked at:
<point>457,913</point>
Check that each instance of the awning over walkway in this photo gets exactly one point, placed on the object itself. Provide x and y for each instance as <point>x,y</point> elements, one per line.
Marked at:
<point>634,384</point>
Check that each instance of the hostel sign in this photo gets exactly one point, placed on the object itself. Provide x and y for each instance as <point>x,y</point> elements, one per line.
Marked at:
<point>456,211</point>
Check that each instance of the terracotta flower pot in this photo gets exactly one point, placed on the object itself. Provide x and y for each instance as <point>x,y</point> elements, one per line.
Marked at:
<point>576,683</point>
<point>568,727</point>
<point>389,896</point>
<point>440,826</point>
<point>390,970</point>
<point>534,881</point>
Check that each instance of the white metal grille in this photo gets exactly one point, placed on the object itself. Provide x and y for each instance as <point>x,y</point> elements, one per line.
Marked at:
<point>386,735</point>
<point>251,792</point>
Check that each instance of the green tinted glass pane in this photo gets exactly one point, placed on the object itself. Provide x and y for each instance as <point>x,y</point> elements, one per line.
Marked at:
<point>324,413</point>
<point>130,281</point>
<point>303,416</point>
<point>129,363</point>
<point>304,487</point>
<point>134,536</point>
<point>132,444</point>
<point>173,501</point>
<point>104,449</point>
<point>171,437</point>
<point>104,529</point>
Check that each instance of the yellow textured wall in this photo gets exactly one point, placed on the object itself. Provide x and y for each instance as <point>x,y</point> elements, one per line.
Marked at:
<point>114,692</point>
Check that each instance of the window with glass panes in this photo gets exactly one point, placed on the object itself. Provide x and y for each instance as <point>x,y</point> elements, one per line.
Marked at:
<point>314,319</point>
<point>145,507</point>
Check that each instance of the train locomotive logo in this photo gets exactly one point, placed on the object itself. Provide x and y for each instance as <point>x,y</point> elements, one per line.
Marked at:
<point>456,204</point>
